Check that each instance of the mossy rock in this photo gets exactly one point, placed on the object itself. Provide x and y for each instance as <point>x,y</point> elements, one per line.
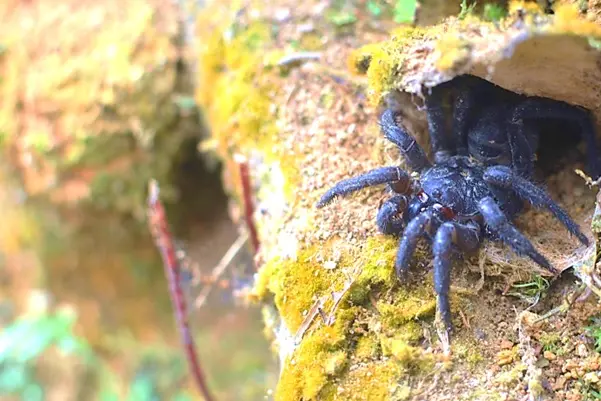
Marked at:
<point>90,110</point>
<point>347,328</point>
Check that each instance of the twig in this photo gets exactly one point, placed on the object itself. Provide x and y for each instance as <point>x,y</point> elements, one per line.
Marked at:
<point>220,268</point>
<point>159,228</point>
<point>247,199</point>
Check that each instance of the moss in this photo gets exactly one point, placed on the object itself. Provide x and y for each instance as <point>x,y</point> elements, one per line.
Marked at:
<point>450,51</point>
<point>382,377</point>
<point>367,348</point>
<point>320,355</point>
<point>296,285</point>
<point>411,359</point>
<point>407,306</point>
<point>382,60</point>
<point>569,21</point>
<point>469,352</point>
<point>377,256</point>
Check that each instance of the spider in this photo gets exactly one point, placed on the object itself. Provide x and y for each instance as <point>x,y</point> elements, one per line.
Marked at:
<point>455,203</point>
<point>506,128</point>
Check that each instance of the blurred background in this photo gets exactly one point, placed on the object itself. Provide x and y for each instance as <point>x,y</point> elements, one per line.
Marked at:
<point>97,97</point>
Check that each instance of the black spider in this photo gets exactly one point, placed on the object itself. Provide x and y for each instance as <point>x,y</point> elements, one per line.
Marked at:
<point>455,203</point>
<point>505,128</point>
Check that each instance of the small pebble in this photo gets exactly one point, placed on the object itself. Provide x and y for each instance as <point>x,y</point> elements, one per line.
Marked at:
<point>549,355</point>
<point>581,351</point>
<point>506,344</point>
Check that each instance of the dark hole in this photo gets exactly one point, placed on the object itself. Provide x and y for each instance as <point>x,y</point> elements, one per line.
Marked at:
<point>202,198</point>
<point>558,145</point>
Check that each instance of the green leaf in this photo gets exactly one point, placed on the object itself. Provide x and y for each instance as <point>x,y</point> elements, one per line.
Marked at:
<point>374,8</point>
<point>494,12</point>
<point>404,11</point>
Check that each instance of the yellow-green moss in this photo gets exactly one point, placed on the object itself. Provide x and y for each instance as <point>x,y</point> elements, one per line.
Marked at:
<point>377,381</point>
<point>326,352</point>
<point>406,307</point>
<point>367,348</point>
<point>296,285</point>
<point>411,359</point>
<point>382,60</point>
<point>320,355</point>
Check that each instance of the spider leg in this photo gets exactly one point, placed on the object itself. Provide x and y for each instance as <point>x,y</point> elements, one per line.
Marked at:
<point>498,223</point>
<point>413,152</point>
<point>504,177</point>
<point>466,238</point>
<point>387,219</point>
<point>439,138</point>
<point>419,225</point>
<point>540,107</point>
<point>377,176</point>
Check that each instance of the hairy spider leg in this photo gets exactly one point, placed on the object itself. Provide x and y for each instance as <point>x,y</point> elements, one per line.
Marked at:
<point>540,107</point>
<point>499,224</point>
<point>413,152</point>
<point>504,177</point>
<point>440,143</point>
<point>387,219</point>
<point>466,238</point>
<point>377,176</point>
<point>419,225</point>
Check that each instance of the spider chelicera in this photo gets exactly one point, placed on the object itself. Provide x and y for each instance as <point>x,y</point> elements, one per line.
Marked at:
<point>505,129</point>
<point>455,203</point>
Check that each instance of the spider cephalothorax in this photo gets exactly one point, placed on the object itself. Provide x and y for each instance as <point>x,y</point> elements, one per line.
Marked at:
<point>497,126</point>
<point>455,203</point>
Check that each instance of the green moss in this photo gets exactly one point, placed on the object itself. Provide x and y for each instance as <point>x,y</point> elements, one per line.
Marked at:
<point>320,355</point>
<point>407,307</point>
<point>378,255</point>
<point>469,352</point>
<point>367,348</point>
<point>551,342</point>
<point>382,377</point>
<point>411,359</point>
<point>296,285</point>
<point>381,60</point>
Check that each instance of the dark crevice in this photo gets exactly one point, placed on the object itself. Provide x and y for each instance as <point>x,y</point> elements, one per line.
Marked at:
<point>202,198</point>
<point>560,144</point>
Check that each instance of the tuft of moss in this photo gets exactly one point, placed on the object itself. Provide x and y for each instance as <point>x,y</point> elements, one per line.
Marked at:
<point>321,354</point>
<point>406,307</point>
<point>367,348</point>
<point>380,60</point>
<point>411,359</point>
<point>382,377</point>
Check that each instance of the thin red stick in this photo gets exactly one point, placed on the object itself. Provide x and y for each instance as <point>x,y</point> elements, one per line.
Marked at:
<point>249,207</point>
<point>159,229</point>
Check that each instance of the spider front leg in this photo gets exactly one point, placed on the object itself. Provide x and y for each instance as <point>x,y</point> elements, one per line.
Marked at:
<point>504,177</point>
<point>413,152</point>
<point>540,107</point>
<point>499,224</point>
<point>377,176</point>
<point>465,237</point>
